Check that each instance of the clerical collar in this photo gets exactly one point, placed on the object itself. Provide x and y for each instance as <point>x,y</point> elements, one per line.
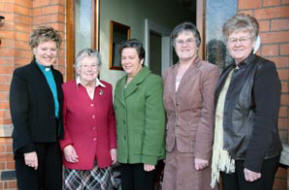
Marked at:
<point>44,68</point>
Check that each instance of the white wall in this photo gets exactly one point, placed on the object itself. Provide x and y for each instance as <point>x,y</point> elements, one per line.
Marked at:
<point>133,13</point>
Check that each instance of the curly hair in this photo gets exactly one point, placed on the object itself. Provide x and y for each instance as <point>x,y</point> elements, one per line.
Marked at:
<point>43,34</point>
<point>241,22</point>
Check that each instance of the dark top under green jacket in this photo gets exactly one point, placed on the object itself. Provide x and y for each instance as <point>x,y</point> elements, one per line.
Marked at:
<point>140,118</point>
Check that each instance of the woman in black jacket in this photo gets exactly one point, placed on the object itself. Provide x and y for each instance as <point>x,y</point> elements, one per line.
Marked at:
<point>246,144</point>
<point>36,108</point>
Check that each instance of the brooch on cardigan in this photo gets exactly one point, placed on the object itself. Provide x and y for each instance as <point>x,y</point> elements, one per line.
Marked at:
<point>100,92</point>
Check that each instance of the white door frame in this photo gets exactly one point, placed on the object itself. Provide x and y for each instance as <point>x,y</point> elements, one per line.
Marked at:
<point>166,43</point>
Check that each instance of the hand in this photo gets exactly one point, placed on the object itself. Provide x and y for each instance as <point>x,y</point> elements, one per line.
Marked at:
<point>113,154</point>
<point>31,159</point>
<point>250,175</point>
<point>201,164</point>
<point>148,167</point>
<point>70,154</point>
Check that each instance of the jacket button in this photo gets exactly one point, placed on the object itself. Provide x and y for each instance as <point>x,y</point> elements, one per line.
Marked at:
<point>94,139</point>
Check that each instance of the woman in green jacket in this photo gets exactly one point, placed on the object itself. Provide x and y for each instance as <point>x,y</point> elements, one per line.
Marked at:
<point>140,119</point>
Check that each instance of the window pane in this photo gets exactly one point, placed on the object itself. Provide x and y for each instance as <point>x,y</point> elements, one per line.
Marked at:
<point>217,13</point>
<point>82,24</point>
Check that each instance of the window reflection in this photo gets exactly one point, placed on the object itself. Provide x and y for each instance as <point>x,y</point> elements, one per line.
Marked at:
<point>82,24</point>
<point>217,12</point>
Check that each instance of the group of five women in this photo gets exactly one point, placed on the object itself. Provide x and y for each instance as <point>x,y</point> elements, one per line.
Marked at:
<point>205,125</point>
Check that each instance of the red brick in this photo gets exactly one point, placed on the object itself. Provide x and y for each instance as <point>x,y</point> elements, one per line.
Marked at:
<point>6,157</point>
<point>271,3</point>
<point>5,79</point>
<point>49,18</point>
<point>10,166</point>
<point>5,141</point>
<point>270,50</point>
<point>58,26</point>
<point>9,7</point>
<point>1,185</point>
<point>22,61</point>
<point>2,147</point>
<point>284,49</point>
<point>285,2</point>
<point>24,3</point>
<point>280,61</point>
<point>283,123</point>
<point>264,25</point>
<point>6,69</point>
<point>248,4</point>
<point>24,19</point>
<point>4,87</point>
<point>280,24</point>
<point>10,52</point>
<point>283,74</point>
<point>5,121</point>
<point>4,95</point>
<point>2,165</point>
<point>6,7</point>
<point>284,99</point>
<point>246,12</point>
<point>270,13</point>
<point>11,184</point>
<point>275,37</point>
<point>8,43</point>
<point>283,111</point>
<point>41,3</point>
<point>9,148</point>
<point>285,86</point>
<point>48,10</point>
<point>14,35</point>
<point>22,53</point>
<point>4,105</point>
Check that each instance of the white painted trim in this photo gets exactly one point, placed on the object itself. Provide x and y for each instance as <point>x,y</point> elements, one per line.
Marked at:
<point>166,43</point>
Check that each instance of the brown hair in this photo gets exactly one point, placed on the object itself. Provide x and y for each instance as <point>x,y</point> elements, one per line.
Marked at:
<point>43,34</point>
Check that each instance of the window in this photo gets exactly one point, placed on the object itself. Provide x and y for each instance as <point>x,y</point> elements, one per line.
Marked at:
<point>82,30</point>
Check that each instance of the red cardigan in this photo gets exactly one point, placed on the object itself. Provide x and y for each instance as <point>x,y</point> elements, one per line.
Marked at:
<point>89,125</point>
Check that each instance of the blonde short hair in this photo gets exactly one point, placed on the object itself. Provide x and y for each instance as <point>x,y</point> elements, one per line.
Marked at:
<point>241,22</point>
<point>43,34</point>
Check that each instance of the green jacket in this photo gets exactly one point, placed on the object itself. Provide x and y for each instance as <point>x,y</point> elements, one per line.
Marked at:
<point>140,118</point>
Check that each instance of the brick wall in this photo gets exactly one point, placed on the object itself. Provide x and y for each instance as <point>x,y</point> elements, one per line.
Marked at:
<point>20,17</point>
<point>273,16</point>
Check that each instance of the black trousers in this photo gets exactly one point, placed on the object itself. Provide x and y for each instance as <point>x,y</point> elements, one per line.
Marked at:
<point>48,176</point>
<point>133,177</point>
<point>236,181</point>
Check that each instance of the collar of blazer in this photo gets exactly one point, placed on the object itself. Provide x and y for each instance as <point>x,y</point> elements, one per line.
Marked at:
<point>136,81</point>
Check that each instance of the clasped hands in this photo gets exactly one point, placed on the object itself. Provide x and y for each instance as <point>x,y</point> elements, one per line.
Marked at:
<point>70,154</point>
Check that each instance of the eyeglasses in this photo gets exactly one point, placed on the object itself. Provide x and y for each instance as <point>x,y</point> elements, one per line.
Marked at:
<point>187,41</point>
<point>241,40</point>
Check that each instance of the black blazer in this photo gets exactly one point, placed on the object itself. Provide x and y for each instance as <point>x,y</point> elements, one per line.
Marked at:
<point>32,108</point>
<point>251,109</point>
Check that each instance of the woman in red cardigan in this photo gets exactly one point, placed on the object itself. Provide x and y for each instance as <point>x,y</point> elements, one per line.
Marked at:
<point>89,145</point>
